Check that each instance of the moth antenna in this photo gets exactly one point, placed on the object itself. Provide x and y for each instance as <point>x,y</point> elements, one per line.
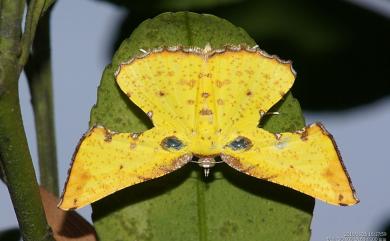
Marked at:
<point>273,113</point>
<point>219,162</point>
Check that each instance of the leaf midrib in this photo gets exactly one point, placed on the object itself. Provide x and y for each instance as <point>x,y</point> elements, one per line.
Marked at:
<point>200,184</point>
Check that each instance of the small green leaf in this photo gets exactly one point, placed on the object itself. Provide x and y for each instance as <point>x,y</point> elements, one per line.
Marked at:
<point>183,205</point>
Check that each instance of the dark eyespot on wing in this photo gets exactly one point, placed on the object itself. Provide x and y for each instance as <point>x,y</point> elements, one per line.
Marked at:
<point>172,142</point>
<point>240,143</point>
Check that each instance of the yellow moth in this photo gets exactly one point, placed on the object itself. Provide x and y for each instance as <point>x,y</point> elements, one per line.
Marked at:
<point>206,103</point>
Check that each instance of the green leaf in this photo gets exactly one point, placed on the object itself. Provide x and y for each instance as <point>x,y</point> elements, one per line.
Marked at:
<point>183,205</point>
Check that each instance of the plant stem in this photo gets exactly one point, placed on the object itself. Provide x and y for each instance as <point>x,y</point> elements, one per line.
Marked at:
<point>14,153</point>
<point>35,10</point>
<point>201,201</point>
<point>39,75</point>
<point>16,159</point>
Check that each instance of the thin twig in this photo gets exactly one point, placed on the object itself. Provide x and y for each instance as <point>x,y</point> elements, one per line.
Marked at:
<point>36,9</point>
<point>39,75</point>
